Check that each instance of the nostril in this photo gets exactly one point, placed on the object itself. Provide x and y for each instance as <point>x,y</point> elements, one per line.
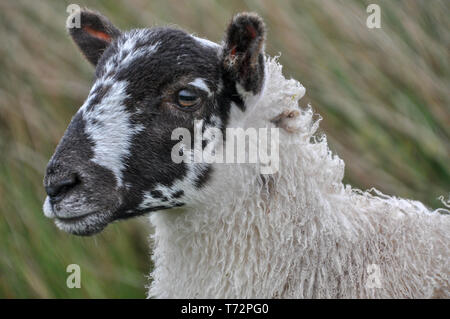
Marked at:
<point>59,188</point>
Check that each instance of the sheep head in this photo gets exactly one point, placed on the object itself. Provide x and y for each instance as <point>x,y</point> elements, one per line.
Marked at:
<point>115,158</point>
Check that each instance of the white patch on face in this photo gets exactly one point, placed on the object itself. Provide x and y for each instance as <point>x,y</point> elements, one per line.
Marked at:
<point>127,51</point>
<point>127,54</point>
<point>109,127</point>
<point>201,84</point>
<point>206,42</point>
<point>144,50</point>
<point>108,122</point>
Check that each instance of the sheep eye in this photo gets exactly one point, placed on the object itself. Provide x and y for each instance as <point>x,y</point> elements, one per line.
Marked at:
<point>187,98</point>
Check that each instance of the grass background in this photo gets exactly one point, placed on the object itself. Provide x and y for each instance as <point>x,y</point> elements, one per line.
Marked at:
<point>383,94</point>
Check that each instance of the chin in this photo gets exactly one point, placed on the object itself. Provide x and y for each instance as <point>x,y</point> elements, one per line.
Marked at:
<point>86,225</point>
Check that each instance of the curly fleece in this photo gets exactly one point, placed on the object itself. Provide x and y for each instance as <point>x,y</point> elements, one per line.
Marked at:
<point>299,233</point>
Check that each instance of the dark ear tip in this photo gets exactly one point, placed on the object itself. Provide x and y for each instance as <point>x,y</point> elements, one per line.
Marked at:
<point>87,17</point>
<point>251,22</point>
<point>248,16</point>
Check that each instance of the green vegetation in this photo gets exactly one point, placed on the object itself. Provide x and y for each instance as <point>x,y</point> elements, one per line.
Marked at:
<point>383,94</point>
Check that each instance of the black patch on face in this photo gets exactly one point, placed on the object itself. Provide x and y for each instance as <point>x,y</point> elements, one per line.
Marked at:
<point>178,194</point>
<point>157,194</point>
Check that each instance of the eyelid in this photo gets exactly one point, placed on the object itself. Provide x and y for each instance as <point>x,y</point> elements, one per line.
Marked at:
<point>189,90</point>
<point>198,91</point>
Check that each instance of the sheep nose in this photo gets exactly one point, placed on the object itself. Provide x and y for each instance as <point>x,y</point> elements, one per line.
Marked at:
<point>58,188</point>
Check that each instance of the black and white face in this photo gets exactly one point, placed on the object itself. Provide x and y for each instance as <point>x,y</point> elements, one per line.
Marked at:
<point>114,160</point>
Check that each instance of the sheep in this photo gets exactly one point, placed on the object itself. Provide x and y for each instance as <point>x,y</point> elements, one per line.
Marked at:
<point>301,233</point>
<point>227,230</point>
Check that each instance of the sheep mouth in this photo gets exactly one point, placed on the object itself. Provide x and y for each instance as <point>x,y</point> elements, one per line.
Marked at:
<point>85,225</point>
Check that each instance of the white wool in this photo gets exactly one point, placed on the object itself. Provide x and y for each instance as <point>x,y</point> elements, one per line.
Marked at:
<point>300,233</point>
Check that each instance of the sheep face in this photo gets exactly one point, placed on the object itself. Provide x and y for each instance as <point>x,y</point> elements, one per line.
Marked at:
<point>115,158</point>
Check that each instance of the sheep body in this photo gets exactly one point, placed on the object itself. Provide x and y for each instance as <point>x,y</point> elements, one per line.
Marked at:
<point>299,233</point>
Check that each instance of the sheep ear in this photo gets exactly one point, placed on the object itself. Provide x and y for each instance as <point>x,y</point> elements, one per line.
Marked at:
<point>92,34</point>
<point>243,54</point>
